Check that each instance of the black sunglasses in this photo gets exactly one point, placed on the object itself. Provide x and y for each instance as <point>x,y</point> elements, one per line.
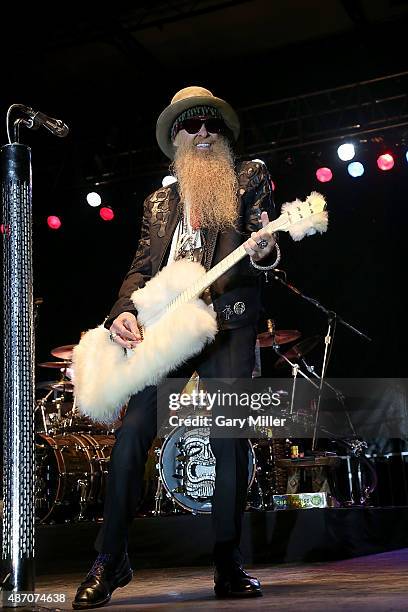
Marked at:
<point>193,125</point>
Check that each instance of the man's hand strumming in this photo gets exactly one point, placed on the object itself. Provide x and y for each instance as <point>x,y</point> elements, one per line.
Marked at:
<point>124,330</point>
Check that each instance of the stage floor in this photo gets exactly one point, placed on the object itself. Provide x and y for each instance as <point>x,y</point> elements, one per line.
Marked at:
<point>375,582</point>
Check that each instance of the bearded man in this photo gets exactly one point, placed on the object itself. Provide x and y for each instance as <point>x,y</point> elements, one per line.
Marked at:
<point>213,207</point>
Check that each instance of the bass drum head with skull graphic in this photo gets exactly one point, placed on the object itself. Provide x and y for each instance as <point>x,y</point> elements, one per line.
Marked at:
<point>187,468</point>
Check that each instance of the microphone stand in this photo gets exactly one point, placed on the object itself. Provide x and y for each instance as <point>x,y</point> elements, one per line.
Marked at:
<point>17,573</point>
<point>317,304</point>
<point>333,318</point>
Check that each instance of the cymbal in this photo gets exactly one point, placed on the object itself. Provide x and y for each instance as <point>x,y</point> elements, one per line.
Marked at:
<point>45,384</point>
<point>63,352</point>
<point>299,350</point>
<point>65,385</point>
<point>55,364</point>
<point>56,385</point>
<point>281,336</point>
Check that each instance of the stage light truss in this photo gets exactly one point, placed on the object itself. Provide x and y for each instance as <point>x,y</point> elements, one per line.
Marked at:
<point>348,111</point>
<point>351,111</point>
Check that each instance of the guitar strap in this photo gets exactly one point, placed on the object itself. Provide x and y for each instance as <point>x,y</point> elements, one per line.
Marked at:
<point>211,239</point>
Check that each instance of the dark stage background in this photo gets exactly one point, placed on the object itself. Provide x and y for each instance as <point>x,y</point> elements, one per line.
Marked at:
<point>109,72</point>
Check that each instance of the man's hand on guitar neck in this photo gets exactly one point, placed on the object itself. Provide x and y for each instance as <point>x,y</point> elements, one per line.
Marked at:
<point>125,331</point>
<point>263,236</point>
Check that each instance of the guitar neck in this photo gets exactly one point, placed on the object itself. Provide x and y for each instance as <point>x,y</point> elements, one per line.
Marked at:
<point>298,218</point>
<point>223,266</point>
<point>212,275</point>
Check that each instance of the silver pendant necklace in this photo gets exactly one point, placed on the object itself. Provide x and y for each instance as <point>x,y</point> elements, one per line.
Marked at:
<point>188,239</point>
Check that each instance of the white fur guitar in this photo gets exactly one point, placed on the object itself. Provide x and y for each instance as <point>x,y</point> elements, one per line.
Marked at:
<point>176,323</point>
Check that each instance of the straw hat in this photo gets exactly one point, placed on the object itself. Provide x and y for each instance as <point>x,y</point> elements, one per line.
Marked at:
<point>184,99</point>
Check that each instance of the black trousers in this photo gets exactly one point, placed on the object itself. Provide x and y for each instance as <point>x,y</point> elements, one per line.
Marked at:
<point>231,355</point>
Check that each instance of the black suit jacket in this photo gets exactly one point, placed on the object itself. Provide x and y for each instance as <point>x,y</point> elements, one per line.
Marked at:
<point>236,294</point>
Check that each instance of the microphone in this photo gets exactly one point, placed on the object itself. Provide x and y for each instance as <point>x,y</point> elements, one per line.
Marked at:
<point>55,126</point>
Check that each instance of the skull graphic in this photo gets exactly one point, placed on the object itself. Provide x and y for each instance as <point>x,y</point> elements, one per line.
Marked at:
<point>198,463</point>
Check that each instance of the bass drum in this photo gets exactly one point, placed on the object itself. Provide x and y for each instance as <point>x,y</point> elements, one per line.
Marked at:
<point>71,472</point>
<point>187,468</point>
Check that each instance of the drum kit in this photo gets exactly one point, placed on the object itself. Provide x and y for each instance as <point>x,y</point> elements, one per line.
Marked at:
<point>73,452</point>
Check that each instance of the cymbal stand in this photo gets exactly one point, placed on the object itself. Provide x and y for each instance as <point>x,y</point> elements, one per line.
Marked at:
<point>339,395</point>
<point>295,369</point>
<point>158,498</point>
<point>333,319</point>
<point>58,401</point>
<point>74,411</point>
<point>327,342</point>
<point>82,489</point>
<point>41,403</point>
<point>294,365</point>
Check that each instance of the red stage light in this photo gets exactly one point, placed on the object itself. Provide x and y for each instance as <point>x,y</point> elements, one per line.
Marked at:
<point>385,161</point>
<point>54,222</point>
<point>106,213</point>
<point>324,175</point>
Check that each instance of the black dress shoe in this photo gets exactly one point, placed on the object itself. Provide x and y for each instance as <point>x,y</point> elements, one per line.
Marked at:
<point>235,582</point>
<point>107,574</point>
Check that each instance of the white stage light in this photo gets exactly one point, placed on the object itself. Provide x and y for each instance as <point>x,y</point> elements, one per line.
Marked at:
<point>346,151</point>
<point>93,199</point>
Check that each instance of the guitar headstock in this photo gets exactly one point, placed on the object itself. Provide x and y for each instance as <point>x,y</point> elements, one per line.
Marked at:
<point>305,218</point>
